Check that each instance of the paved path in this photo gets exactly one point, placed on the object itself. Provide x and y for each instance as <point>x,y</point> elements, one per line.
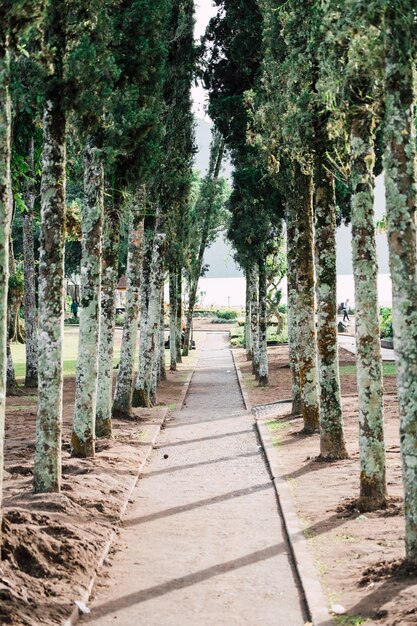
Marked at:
<point>349,343</point>
<point>203,544</point>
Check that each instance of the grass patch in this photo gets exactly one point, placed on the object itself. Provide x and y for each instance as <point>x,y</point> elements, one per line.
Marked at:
<point>388,369</point>
<point>349,620</point>
<point>275,425</point>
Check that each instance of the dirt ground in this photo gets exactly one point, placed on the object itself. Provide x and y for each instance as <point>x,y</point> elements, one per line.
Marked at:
<point>51,542</point>
<point>359,557</point>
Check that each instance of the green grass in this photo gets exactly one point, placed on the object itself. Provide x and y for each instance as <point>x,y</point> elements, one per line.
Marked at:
<point>349,620</point>
<point>275,425</point>
<point>388,369</point>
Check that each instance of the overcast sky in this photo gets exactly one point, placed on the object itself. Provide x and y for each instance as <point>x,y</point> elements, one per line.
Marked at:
<point>204,10</point>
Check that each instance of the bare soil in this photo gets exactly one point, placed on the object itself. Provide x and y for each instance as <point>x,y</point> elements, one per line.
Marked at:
<point>51,542</point>
<point>359,557</point>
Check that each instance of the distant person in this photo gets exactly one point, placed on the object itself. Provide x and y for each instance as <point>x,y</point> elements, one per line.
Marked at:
<point>345,309</point>
<point>74,309</point>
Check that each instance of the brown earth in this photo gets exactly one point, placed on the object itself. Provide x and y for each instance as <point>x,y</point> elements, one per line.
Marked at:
<point>51,542</point>
<point>359,557</point>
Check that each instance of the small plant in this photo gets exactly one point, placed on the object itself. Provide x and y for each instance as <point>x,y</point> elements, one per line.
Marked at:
<point>226,314</point>
<point>349,620</point>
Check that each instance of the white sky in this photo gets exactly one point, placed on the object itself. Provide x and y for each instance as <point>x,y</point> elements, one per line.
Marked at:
<point>204,10</point>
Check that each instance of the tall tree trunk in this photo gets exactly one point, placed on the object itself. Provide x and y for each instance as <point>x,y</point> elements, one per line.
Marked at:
<point>146,395</point>
<point>178,296</point>
<point>263,354</point>
<point>47,470</point>
<point>255,322</point>
<point>368,349</point>
<point>332,443</point>
<point>162,375</point>
<point>109,264</point>
<point>192,296</point>
<point>401,195</point>
<point>306,330</point>
<point>122,405</point>
<point>248,308</point>
<point>84,430</point>
<point>14,298</point>
<point>173,319</point>
<point>31,379</point>
<point>293,310</point>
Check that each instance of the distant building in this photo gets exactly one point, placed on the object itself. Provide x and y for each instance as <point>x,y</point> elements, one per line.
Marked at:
<point>121,294</point>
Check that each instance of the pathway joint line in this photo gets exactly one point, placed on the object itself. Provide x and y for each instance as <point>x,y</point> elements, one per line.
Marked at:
<point>310,584</point>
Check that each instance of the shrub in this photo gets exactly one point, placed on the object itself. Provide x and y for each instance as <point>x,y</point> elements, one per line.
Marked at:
<point>385,322</point>
<point>227,314</point>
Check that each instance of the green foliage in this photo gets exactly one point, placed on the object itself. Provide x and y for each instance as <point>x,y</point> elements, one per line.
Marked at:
<point>226,314</point>
<point>385,322</point>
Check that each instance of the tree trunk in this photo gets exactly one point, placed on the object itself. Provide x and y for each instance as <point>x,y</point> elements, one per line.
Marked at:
<point>178,296</point>
<point>263,354</point>
<point>5,150</point>
<point>189,319</point>
<point>173,319</point>
<point>162,375</point>
<point>401,196</point>
<point>31,378</point>
<point>14,299</point>
<point>122,405</point>
<point>293,310</point>
<point>47,470</point>
<point>109,264</point>
<point>255,323</point>
<point>332,443</point>
<point>306,329</point>
<point>84,431</point>
<point>146,395</point>
<point>248,321</point>
<point>368,349</point>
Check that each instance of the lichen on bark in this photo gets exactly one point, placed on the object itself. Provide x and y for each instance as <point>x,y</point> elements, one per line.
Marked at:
<point>110,249</point>
<point>47,469</point>
<point>5,149</point>
<point>263,355</point>
<point>401,196</point>
<point>122,404</point>
<point>368,350</point>
<point>292,299</point>
<point>332,443</point>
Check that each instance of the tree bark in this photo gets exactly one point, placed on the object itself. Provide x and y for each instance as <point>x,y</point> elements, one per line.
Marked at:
<point>263,354</point>
<point>292,311</point>
<point>173,319</point>
<point>84,431</point>
<point>109,264</point>
<point>248,306</point>
<point>255,322</point>
<point>5,215</point>
<point>47,470</point>
<point>122,405</point>
<point>332,443</point>
<point>368,349</point>
<point>401,196</point>
<point>31,378</point>
<point>162,375</point>
<point>146,395</point>
<point>178,295</point>
<point>306,327</point>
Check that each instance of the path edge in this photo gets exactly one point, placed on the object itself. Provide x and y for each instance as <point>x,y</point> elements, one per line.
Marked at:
<point>75,613</point>
<point>315,599</point>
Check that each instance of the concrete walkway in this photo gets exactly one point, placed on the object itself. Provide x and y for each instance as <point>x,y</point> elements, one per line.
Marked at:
<point>202,543</point>
<point>349,343</point>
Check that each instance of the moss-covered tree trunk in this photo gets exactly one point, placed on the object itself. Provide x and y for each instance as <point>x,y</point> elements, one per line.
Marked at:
<point>332,443</point>
<point>84,432</point>
<point>368,349</point>
<point>147,393</point>
<point>5,151</point>
<point>250,285</point>
<point>31,378</point>
<point>306,318</point>
<point>263,355</point>
<point>122,405</point>
<point>292,309</point>
<point>401,196</point>
<point>162,375</point>
<point>173,319</point>
<point>178,334</point>
<point>14,298</point>
<point>255,322</point>
<point>47,470</point>
<point>109,264</point>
